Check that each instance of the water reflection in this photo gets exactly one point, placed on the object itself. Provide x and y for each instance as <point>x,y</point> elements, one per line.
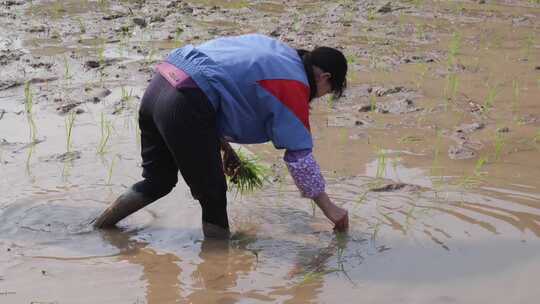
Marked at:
<point>160,271</point>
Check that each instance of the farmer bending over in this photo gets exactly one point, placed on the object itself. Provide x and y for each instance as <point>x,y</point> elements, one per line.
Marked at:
<point>245,89</point>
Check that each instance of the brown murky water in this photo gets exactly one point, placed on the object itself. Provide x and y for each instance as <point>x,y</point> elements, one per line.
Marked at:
<point>434,150</point>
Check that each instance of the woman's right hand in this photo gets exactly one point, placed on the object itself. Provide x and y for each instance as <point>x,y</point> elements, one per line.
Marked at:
<point>337,215</point>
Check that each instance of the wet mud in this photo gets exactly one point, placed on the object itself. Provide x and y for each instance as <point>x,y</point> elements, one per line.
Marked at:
<point>434,149</point>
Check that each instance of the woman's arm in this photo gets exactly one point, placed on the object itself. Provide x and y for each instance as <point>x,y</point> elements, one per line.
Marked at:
<point>308,178</point>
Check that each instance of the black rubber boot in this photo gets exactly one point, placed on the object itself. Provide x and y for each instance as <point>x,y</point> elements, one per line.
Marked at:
<point>129,202</point>
<point>212,231</point>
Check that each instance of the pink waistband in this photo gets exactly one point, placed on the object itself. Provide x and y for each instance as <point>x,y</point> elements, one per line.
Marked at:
<point>175,76</point>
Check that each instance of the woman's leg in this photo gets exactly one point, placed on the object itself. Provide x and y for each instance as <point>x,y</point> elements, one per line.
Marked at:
<point>159,168</point>
<point>188,126</point>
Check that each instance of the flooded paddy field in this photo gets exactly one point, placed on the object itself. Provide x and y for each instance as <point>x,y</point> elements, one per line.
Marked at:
<point>434,150</point>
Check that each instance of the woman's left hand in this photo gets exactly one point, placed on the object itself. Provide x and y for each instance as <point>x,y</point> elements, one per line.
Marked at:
<point>231,161</point>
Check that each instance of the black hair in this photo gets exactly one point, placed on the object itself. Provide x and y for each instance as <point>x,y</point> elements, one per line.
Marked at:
<point>329,60</point>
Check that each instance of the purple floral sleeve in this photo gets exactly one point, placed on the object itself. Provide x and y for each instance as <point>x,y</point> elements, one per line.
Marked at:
<point>305,172</point>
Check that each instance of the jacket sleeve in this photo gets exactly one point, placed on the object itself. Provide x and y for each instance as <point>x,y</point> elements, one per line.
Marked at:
<point>305,172</point>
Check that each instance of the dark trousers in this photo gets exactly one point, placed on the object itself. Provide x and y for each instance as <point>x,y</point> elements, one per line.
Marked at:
<point>178,132</point>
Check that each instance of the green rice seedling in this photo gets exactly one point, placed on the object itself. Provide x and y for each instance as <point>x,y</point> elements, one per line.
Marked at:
<point>499,144</point>
<point>376,229</point>
<point>58,8</point>
<point>82,27</point>
<point>28,105</point>
<point>420,29</point>
<point>105,134</point>
<point>126,97</point>
<point>515,95</point>
<point>352,75</point>
<point>315,275</point>
<point>458,8</point>
<point>103,4</point>
<point>528,45</point>
<point>474,180</point>
<point>111,168</point>
<point>362,198</point>
<point>101,52</point>
<point>490,98</point>
<point>371,14</point>
<point>420,75</point>
<point>69,122</point>
<point>480,165</point>
<point>417,3</point>
<point>29,158</point>
<point>454,48</point>
<point>177,33</point>
<point>372,102</point>
<point>450,90</point>
<point>331,101</point>
<point>536,138</point>
<point>250,175</point>
<point>67,73</point>
<point>381,163</point>
<point>150,56</point>
<point>296,22</point>
<point>436,169</point>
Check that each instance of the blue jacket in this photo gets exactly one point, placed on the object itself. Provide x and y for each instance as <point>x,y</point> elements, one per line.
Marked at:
<point>257,85</point>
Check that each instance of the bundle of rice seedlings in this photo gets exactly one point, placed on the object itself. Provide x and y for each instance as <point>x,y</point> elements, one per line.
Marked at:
<point>244,172</point>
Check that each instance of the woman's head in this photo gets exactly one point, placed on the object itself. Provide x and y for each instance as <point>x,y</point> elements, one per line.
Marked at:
<point>326,69</point>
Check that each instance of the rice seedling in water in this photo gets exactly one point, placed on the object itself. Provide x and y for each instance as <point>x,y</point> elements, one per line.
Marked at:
<point>381,163</point>
<point>28,105</point>
<point>420,29</point>
<point>450,90</point>
<point>453,48</point>
<point>315,275</point>
<point>331,101</point>
<point>499,144</point>
<point>474,180</point>
<point>177,33</point>
<point>29,157</point>
<point>436,169</point>
<point>105,134</point>
<point>417,3</point>
<point>372,102</point>
<point>58,8</point>
<point>125,94</point>
<point>150,56</point>
<point>528,45</point>
<point>490,98</point>
<point>70,121</point>
<point>103,4</point>
<point>82,27</point>
<point>111,168</point>
<point>371,14</point>
<point>421,75</point>
<point>458,8</point>
<point>515,95</point>
<point>67,73</point>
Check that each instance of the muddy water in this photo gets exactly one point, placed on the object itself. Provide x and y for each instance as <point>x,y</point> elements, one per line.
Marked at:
<point>434,151</point>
